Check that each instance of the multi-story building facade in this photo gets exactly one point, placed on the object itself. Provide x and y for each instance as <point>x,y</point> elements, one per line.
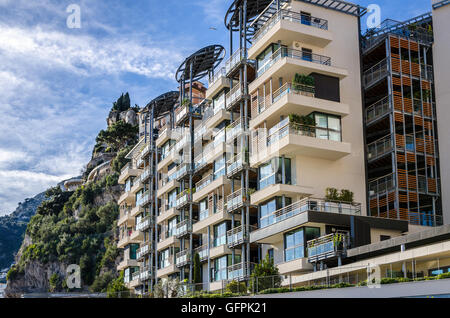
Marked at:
<point>249,166</point>
<point>400,122</point>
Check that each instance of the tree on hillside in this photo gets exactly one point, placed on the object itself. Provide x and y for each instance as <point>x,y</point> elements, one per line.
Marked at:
<point>118,135</point>
<point>122,103</point>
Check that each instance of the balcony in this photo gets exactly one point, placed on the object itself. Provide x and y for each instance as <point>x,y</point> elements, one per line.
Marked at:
<point>146,174</point>
<point>145,223</point>
<point>379,148</point>
<point>183,228</point>
<point>168,182</point>
<point>166,213</point>
<point>145,273</point>
<point>208,185</point>
<point>234,96</point>
<point>237,200</point>
<point>288,138</point>
<point>168,269</point>
<point>291,99</point>
<point>136,211</point>
<point>221,250</point>
<point>209,218</point>
<point>167,158</point>
<point>278,189</point>
<point>328,247</point>
<point>183,258</point>
<point>129,239</point>
<point>183,199</point>
<point>182,112</point>
<point>378,110</point>
<point>234,130</point>
<point>143,251</point>
<point>240,271</point>
<point>127,263</point>
<point>289,26</point>
<point>215,115</point>
<point>374,74</point>
<point>382,185</point>
<point>239,235</point>
<point>217,82</point>
<point>128,171</point>
<point>233,63</point>
<point>301,212</point>
<point>183,171</point>
<point>202,252</point>
<point>167,133</point>
<point>285,62</point>
<point>137,185</point>
<point>126,217</point>
<point>236,164</point>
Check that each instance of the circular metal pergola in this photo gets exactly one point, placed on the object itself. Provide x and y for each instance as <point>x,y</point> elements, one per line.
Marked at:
<point>253,10</point>
<point>163,104</point>
<point>199,64</point>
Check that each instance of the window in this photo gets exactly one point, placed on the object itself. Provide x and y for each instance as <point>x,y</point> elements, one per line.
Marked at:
<point>219,167</point>
<point>128,184</point>
<point>220,234</point>
<point>139,197</point>
<point>268,208</point>
<point>293,245</point>
<point>166,147</point>
<point>133,249</point>
<point>266,58</point>
<point>164,258</point>
<point>272,172</point>
<point>307,54</point>
<point>204,213</point>
<point>270,253</point>
<point>219,102</point>
<point>172,199</point>
<point>172,226</point>
<point>328,126</point>
<point>220,268</point>
<point>311,233</point>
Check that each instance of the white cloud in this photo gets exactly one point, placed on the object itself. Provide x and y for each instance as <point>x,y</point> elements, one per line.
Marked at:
<point>85,55</point>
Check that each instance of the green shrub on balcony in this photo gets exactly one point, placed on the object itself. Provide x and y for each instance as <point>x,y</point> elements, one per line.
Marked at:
<point>333,194</point>
<point>300,79</point>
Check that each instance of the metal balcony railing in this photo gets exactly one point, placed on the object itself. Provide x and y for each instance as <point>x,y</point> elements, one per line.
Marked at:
<point>329,246</point>
<point>236,200</point>
<point>145,174</point>
<point>203,252</point>
<point>204,182</point>
<point>289,16</point>
<point>183,198</point>
<point>221,72</point>
<point>380,147</point>
<point>145,273</point>
<point>284,52</point>
<point>382,185</point>
<point>233,96</point>
<point>239,235</point>
<point>240,271</point>
<point>375,73</point>
<point>142,251</point>
<point>234,60</point>
<point>234,130</point>
<point>145,223</point>
<point>310,205</point>
<point>183,228</point>
<point>182,258</point>
<point>237,163</point>
<point>378,110</point>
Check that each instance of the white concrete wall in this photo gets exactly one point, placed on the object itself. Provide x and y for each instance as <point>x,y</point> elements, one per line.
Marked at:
<point>441,52</point>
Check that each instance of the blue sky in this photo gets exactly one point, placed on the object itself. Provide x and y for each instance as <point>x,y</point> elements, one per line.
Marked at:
<point>57,84</point>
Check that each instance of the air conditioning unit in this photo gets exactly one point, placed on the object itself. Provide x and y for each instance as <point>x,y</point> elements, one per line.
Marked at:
<point>297,45</point>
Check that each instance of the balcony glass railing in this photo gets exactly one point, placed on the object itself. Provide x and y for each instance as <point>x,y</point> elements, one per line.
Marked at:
<point>184,227</point>
<point>236,163</point>
<point>183,198</point>
<point>289,16</point>
<point>219,73</point>
<point>375,73</point>
<point>309,204</point>
<point>284,52</point>
<point>234,130</point>
<point>238,235</point>
<point>182,258</point>
<point>328,246</point>
<point>235,200</point>
<point>204,182</point>
<point>234,60</point>
<point>240,270</point>
<point>233,95</point>
<point>203,252</point>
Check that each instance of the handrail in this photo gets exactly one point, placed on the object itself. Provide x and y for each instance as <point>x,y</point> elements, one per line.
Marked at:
<point>284,52</point>
<point>234,94</point>
<point>220,73</point>
<point>376,72</point>
<point>204,182</point>
<point>378,109</point>
<point>310,204</point>
<point>380,147</point>
<point>292,16</point>
<point>382,184</point>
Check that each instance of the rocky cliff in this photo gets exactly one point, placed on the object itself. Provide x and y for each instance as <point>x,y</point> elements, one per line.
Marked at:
<point>79,227</point>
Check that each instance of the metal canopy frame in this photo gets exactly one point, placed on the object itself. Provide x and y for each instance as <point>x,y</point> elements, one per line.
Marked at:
<point>440,4</point>
<point>199,64</point>
<point>254,9</point>
<point>389,25</point>
<point>163,104</point>
<point>339,5</point>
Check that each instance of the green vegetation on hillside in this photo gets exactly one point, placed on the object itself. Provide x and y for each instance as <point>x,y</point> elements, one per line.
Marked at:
<point>70,228</point>
<point>118,135</point>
